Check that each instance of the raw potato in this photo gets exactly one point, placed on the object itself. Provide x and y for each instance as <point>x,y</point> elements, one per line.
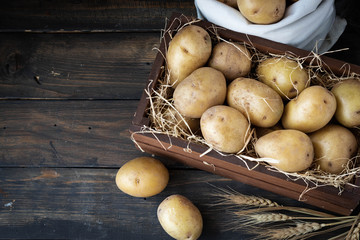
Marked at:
<point>283,75</point>
<point>202,89</point>
<point>180,218</point>
<point>183,122</point>
<point>142,177</point>
<point>347,95</point>
<point>262,11</point>
<point>334,145</point>
<point>225,128</point>
<point>232,59</point>
<point>188,50</point>
<point>252,98</point>
<point>310,111</point>
<point>293,149</point>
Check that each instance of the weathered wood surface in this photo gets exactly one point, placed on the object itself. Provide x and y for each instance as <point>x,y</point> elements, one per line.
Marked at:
<point>80,203</point>
<point>75,66</point>
<point>89,15</point>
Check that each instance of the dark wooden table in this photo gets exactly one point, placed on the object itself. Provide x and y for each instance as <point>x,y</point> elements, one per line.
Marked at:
<point>71,75</point>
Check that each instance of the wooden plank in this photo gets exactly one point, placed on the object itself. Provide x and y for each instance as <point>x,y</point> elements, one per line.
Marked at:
<point>76,66</point>
<point>66,133</point>
<point>70,203</point>
<point>89,15</point>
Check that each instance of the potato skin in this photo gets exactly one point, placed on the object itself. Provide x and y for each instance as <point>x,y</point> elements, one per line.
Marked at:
<point>347,95</point>
<point>334,145</point>
<point>180,218</point>
<point>292,148</point>
<point>252,98</point>
<point>231,3</point>
<point>202,89</point>
<point>310,111</point>
<point>262,11</point>
<point>189,49</point>
<point>142,177</point>
<point>283,75</point>
<point>225,128</point>
<point>232,59</point>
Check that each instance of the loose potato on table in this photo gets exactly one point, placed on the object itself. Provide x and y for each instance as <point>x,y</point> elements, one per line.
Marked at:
<point>310,111</point>
<point>255,100</point>
<point>283,75</point>
<point>180,218</point>
<point>225,128</point>
<point>202,89</point>
<point>347,95</point>
<point>334,145</point>
<point>232,59</point>
<point>189,49</point>
<point>291,148</point>
<point>262,11</point>
<point>142,177</point>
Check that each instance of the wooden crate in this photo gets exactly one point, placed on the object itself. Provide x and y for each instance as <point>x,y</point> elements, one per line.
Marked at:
<point>326,197</point>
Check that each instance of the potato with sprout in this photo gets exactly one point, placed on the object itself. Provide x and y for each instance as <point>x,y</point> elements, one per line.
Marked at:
<point>334,145</point>
<point>285,76</point>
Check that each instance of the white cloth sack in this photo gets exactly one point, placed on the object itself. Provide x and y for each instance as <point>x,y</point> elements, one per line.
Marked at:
<point>307,24</point>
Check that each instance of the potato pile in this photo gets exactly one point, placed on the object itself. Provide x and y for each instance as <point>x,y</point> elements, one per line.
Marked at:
<point>298,124</point>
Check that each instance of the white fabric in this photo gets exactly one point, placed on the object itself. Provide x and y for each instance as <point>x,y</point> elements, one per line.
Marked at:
<point>307,24</point>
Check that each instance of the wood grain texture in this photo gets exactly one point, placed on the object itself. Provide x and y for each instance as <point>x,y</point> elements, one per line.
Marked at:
<point>89,15</point>
<point>76,66</point>
<point>66,133</point>
<point>68,203</point>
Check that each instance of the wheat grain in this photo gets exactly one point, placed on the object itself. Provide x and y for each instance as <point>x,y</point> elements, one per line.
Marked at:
<point>286,233</point>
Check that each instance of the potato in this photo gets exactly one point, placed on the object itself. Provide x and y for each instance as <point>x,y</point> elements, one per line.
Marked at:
<point>256,100</point>
<point>263,131</point>
<point>189,49</point>
<point>291,148</point>
<point>142,177</point>
<point>225,128</point>
<point>347,95</point>
<point>202,89</point>
<point>283,75</point>
<point>262,11</point>
<point>334,145</point>
<point>231,3</point>
<point>310,111</point>
<point>180,218</point>
<point>232,59</point>
<point>183,122</point>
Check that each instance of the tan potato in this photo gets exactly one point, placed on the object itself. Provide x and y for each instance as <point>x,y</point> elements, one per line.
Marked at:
<point>263,131</point>
<point>283,75</point>
<point>180,218</point>
<point>186,123</point>
<point>225,128</point>
<point>262,11</point>
<point>310,111</point>
<point>347,95</point>
<point>334,145</point>
<point>256,100</point>
<point>202,89</point>
<point>292,149</point>
<point>231,3</point>
<point>188,50</point>
<point>142,177</point>
<point>232,59</point>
